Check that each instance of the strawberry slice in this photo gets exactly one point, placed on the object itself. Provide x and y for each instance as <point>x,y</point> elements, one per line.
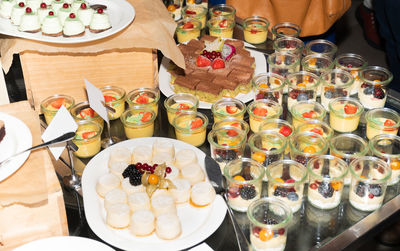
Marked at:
<point>183,107</point>
<point>231,109</point>
<point>146,116</point>
<point>308,115</point>
<point>142,99</point>
<point>188,25</point>
<point>317,130</point>
<point>389,122</point>
<point>196,123</point>
<point>87,112</point>
<point>218,63</point>
<point>223,23</point>
<point>190,12</point>
<point>350,109</point>
<point>236,125</point>
<point>260,111</point>
<point>231,133</point>
<point>202,61</point>
<point>217,12</point>
<point>285,131</point>
<point>87,135</point>
<point>58,103</point>
<point>254,31</point>
<point>109,98</point>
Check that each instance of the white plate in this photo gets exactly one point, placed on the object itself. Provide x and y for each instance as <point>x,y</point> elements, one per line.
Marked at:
<point>18,138</point>
<point>197,223</point>
<point>121,14</point>
<point>167,90</point>
<point>64,243</point>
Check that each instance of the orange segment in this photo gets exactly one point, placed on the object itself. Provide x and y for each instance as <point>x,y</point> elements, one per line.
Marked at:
<point>395,165</point>
<point>258,156</point>
<point>238,178</point>
<point>301,84</point>
<point>310,149</point>
<point>336,185</point>
<point>263,85</point>
<point>266,235</point>
<point>280,180</point>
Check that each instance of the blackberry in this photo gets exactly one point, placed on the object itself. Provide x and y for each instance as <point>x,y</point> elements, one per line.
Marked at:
<point>248,192</point>
<point>360,189</point>
<point>328,94</point>
<point>292,196</point>
<point>378,93</point>
<point>225,155</point>
<point>302,97</point>
<point>375,189</point>
<point>131,169</point>
<point>325,189</point>
<point>136,178</point>
<point>369,90</point>
<point>281,191</point>
<point>270,221</point>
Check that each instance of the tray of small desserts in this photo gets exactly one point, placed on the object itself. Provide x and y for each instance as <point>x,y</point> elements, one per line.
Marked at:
<point>64,21</point>
<point>128,205</point>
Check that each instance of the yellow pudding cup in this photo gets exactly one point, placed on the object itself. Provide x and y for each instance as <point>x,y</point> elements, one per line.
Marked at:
<point>221,27</point>
<point>224,10</point>
<point>146,97</point>
<point>196,12</point>
<point>257,114</point>
<point>228,107</point>
<point>279,125</point>
<point>316,126</point>
<point>82,111</point>
<point>179,102</point>
<point>382,121</point>
<point>232,122</point>
<point>50,105</point>
<point>285,29</point>
<point>344,114</point>
<point>87,138</point>
<point>138,122</point>
<point>188,29</point>
<point>255,29</point>
<point>304,111</point>
<point>114,97</point>
<point>191,127</point>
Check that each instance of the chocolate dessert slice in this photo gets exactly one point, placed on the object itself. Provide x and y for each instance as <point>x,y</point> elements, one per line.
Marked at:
<point>195,44</point>
<point>207,38</point>
<point>208,92</point>
<point>230,88</point>
<point>237,43</point>
<point>185,84</point>
<point>243,60</point>
<point>2,130</point>
<point>243,52</point>
<point>243,78</point>
<point>202,76</point>
<point>223,72</point>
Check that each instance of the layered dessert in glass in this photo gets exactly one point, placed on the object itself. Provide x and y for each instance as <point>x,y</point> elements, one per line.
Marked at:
<point>196,12</point>
<point>225,10</point>
<point>191,127</point>
<point>221,27</point>
<point>279,125</point>
<point>52,104</point>
<point>352,63</point>
<point>289,44</point>
<point>138,122</point>
<point>114,97</point>
<point>87,139</point>
<point>187,29</point>
<point>179,102</point>
<point>228,107</point>
<point>382,121</point>
<point>321,46</point>
<point>234,122</point>
<point>306,145</point>
<point>302,86</point>
<point>316,126</point>
<point>336,83</point>
<point>147,97</point>
<point>255,29</point>
<point>285,29</point>
<point>82,111</point>
<point>283,63</point>
<point>268,86</point>
<point>304,111</point>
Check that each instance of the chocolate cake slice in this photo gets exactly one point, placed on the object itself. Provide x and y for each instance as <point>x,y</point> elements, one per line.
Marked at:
<point>195,44</point>
<point>243,60</point>
<point>2,130</point>
<point>207,38</point>
<point>243,78</point>
<point>208,92</point>
<point>201,76</point>
<point>220,72</point>
<point>243,52</point>
<point>237,43</point>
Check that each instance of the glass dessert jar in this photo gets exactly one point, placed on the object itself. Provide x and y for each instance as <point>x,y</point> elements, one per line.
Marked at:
<point>368,183</point>
<point>50,105</point>
<point>262,109</point>
<point>174,8</point>
<point>304,111</point>
<point>228,107</point>
<point>306,145</point>
<point>321,46</point>
<point>244,181</point>
<point>373,89</point>
<point>278,125</point>
<point>147,97</point>
<point>268,86</point>
<point>187,29</point>
<point>138,122</point>
<point>190,127</point>
<point>348,147</point>
<point>231,121</point>
<point>286,180</point>
<point>336,83</point>
<point>316,126</point>
<point>326,177</point>
<point>114,97</point>
<point>345,114</point>
<point>387,148</point>
<point>198,12</point>
<point>269,222</point>
<point>317,64</point>
<point>179,102</point>
<point>283,63</point>
<point>82,111</point>
<point>221,27</point>
<point>382,120</point>
<point>255,29</point>
<point>224,10</point>
<point>226,144</point>
<point>87,138</point>
<point>352,63</point>
<point>285,29</point>
<point>289,44</point>
<point>302,86</point>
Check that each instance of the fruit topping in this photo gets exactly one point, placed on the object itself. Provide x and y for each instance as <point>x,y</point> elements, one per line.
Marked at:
<point>146,116</point>
<point>217,12</point>
<point>225,155</point>
<point>142,98</point>
<point>265,234</point>
<point>258,156</point>
<point>309,149</point>
<point>71,15</point>
<point>231,109</point>
<point>317,130</point>
<point>51,13</point>
<point>302,96</point>
<point>231,133</point>
<point>371,196</point>
<point>285,131</point>
<point>379,93</point>
<point>360,189</point>
<point>196,123</point>
<point>202,61</point>
<point>218,63</point>
<point>281,191</point>
<point>171,8</point>
<point>21,4</point>
<point>389,122</point>
<point>336,185</point>
<point>238,178</point>
<point>350,109</point>
<point>270,221</point>
<point>228,51</point>
<point>234,192</point>
<point>293,196</point>
<point>87,112</point>
<point>134,175</point>
<point>65,6</point>
<point>153,178</point>
<point>223,23</point>
<point>395,165</point>
<point>182,107</point>
<point>58,103</point>
<point>87,135</point>
<point>42,6</point>
<point>188,25</point>
<point>309,115</point>
<point>290,181</point>
<point>109,98</point>
<point>83,6</point>
<point>190,12</point>
<point>248,192</point>
<point>259,111</point>
<point>100,11</point>
<point>28,10</point>
<point>375,189</point>
<point>313,186</point>
<point>325,189</point>
<point>281,231</point>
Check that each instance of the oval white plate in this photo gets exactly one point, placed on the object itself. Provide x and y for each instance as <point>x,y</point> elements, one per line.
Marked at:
<point>165,78</point>
<point>18,138</point>
<point>64,243</point>
<point>197,223</point>
<point>121,14</point>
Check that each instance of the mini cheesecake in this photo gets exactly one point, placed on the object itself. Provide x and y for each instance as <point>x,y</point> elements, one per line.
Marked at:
<point>100,22</point>
<point>73,27</point>
<point>85,14</point>
<point>29,21</point>
<point>17,13</point>
<point>51,25</point>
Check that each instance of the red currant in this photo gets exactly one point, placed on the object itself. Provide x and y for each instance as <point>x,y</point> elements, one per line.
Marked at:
<point>83,6</point>
<point>21,4</point>
<point>28,10</point>
<point>71,15</point>
<point>281,231</point>
<point>100,10</point>
<point>139,165</point>
<point>51,13</point>
<point>371,196</point>
<point>65,6</point>
<point>43,5</point>
<point>155,165</point>
<point>168,169</point>
<point>313,186</point>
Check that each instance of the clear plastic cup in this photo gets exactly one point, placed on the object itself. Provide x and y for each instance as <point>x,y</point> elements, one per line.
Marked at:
<point>285,29</point>
<point>344,114</point>
<point>382,121</point>
<point>50,105</point>
<point>221,27</point>
<point>336,83</point>
<point>191,127</point>
<point>268,86</point>
<point>138,122</point>
<point>147,97</point>
<point>187,29</point>
<point>321,46</point>
<point>261,110</point>
<point>302,86</point>
<point>306,145</point>
<point>289,44</point>
<point>115,98</point>
<point>255,29</point>
<point>179,102</point>
<point>304,111</point>
<point>352,63</point>
<point>316,126</point>
<point>228,107</point>
<point>87,139</point>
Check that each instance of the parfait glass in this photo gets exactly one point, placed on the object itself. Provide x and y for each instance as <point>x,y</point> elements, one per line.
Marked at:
<point>382,121</point>
<point>306,145</point>
<point>255,29</point>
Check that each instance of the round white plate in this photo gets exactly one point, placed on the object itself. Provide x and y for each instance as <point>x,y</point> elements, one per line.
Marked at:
<point>18,138</point>
<point>197,223</point>
<point>121,14</point>
<point>64,243</point>
<point>167,89</point>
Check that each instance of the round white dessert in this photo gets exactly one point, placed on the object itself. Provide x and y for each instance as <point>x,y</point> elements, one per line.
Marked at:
<point>118,216</point>
<point>106,183</point>
<point>142,223</point>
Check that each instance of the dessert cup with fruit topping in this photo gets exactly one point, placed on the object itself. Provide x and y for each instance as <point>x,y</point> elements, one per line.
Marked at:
<point>373,89</point>
<point>196,12</point>
<point>179,102</point>
<point>138,122</point>
<point>306,145</point>
<point>286,180</point>
<point>82,111</point>
<point>304,111</point>
<point>17,11</point>
<point>114,97</point>
<point>50,105</point>
<point>255,29</point>
<point>228,107</point>
<point>221,27</point>
<point>302,86</point>
<point>326,177</point>
<point>345,114</point>
<point>348,147</point>
<point>316,126</point>
<point>318,64</point>
<point>188,29</point>
<point>352,63</point>
<point>267,147</point>
<point>285,29</point>
<point>321,46</point>
<point>226,144</point>
<point>279,125</point>
<point>174,8</point>
<point>87,138</point>
<point>190,127</point>
<point>283,63</point>
<point>336,83</point>
<point>289,44</point>
<point>147,97</point>
<point>269,221</point>
<point>387,148</point>
<point>244,181</point>
<point>29,21</point>
<point>225,10</point>
<point>231,121</point>
<point>260,110</point>
<point>382,120</point>
<point>268,86</point>
<point>368,183</point>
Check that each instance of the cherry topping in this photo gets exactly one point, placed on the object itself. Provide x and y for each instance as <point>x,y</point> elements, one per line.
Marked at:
<point>51,13</point>
<point>100,10</point>
<point>71,15</point>
<point>21,4</point>
<point>43,5</point>
<point>83,6</point>
<point>168,170</point>
<point>65,6</point>
<point>28,10</point>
